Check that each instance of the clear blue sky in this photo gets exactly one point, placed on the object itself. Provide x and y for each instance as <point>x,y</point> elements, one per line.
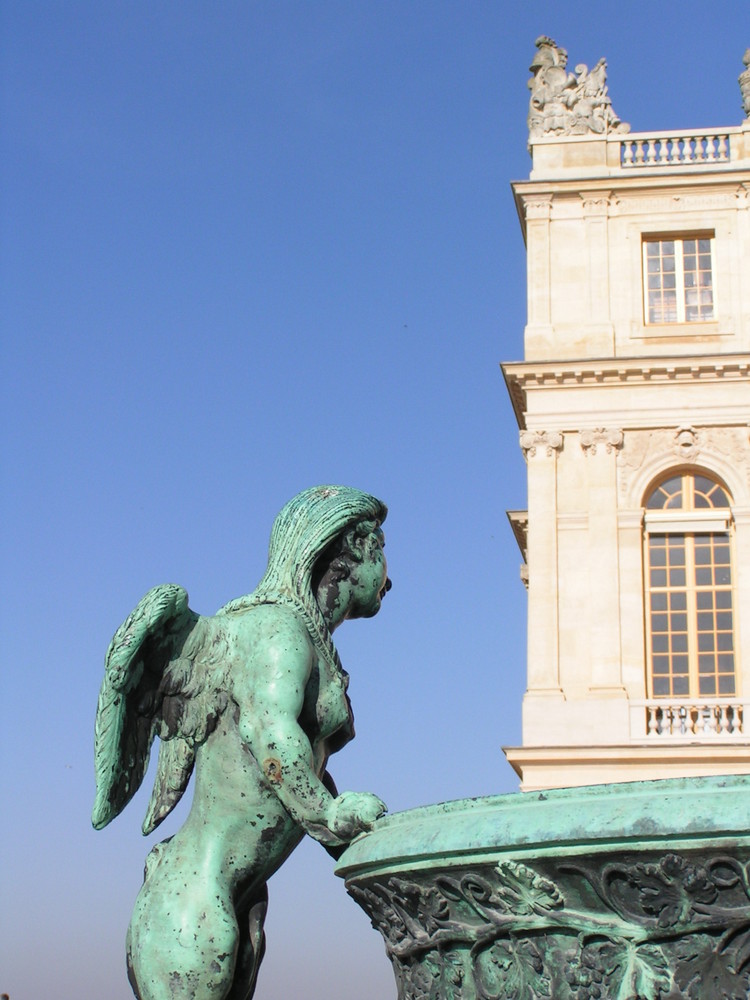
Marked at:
<point>248,247</point>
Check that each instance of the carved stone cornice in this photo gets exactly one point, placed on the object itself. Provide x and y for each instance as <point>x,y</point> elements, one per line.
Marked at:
<point>548,441</point>
<point>611,440</point>
<point>523,377</point>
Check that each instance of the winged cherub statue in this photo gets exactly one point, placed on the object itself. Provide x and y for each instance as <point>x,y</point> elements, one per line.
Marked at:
<point>254,700</point>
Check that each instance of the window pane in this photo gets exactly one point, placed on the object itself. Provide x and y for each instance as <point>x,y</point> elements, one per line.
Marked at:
<point>706,642</point>
<point>707,686</point>
<point>679,622</point>
<point>706,664</point>
<point>678,601</point>
<point>726,684</point>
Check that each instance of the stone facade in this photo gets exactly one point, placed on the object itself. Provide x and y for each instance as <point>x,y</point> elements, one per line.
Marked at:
<point>622,385</point>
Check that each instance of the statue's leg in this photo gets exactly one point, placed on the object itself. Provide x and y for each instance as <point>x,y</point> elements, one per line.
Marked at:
<point>181,945</point>
<point>252,945</point>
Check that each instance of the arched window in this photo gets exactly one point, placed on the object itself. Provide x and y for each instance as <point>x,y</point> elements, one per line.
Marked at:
<point>690,621</point>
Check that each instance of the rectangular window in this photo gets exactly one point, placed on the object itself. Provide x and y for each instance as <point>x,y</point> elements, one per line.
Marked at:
<point>678,279</point>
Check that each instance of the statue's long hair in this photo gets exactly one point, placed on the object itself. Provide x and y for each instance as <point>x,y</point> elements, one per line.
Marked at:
<point>302,531</point>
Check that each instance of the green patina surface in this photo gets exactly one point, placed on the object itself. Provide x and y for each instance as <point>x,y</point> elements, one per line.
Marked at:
<point>632,891</point>
<point>253,699</point>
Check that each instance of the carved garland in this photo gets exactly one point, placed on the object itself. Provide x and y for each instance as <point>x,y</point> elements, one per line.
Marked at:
<point>675,927</point>
<point>714,447</point>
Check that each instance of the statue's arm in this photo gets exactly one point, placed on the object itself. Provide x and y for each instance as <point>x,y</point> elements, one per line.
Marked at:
<point>270,698</point>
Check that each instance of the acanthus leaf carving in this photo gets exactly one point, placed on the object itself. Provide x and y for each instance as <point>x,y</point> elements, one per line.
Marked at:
<point>654,928</point>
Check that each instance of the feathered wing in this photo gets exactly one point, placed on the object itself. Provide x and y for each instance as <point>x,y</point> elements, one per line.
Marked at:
<point>132,704</point>
<point>176,760</point>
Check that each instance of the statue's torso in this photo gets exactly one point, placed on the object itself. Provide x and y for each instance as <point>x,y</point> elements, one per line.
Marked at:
<point>234,801</point>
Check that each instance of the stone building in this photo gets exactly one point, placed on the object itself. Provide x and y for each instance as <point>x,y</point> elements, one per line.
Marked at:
<point>633,403</point>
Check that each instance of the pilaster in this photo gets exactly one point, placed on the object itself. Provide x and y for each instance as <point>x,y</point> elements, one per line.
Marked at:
<point>600,446</point>
<point>541,449</point>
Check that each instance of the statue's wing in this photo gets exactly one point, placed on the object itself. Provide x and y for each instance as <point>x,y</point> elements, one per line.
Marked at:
<point>176,759</point>
<point>130,701</point>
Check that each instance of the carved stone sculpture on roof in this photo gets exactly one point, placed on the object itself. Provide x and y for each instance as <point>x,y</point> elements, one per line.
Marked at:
<point>744,80</point>
<point>564,103</point>
<point>254,700</point>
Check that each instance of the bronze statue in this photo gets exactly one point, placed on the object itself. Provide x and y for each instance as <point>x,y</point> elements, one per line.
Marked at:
<point>254,699</point>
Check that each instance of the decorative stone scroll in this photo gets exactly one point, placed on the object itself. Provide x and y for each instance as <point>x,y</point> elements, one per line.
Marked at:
<point>550,441</point>
<point>564,103</point>
<point>610,439</point>
<point>744,81</point>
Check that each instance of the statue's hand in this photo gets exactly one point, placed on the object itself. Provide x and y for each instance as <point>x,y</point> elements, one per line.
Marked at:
<point>352,813</point>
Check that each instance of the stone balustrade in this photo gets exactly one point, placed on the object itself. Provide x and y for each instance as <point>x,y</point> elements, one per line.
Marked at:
<point>669,149</point>
<point>617,154</point>
<point>709,717</point>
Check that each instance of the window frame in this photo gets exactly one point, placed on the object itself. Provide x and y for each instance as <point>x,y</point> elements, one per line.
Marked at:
<point>679,239</point>
<point>689,523</point>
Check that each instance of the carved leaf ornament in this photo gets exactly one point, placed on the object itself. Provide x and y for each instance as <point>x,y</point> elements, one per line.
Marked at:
<point>672,927</point>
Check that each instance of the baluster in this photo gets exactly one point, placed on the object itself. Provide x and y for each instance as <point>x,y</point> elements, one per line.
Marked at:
<point>711,148</point>
<point>685,721</point>
<point>724,147</point>
<point>710,720</point>
<point>725,716</point>
<point>626,154</point>
<point>695,716</point>
<point>639,151</point>
<point>652,727</point>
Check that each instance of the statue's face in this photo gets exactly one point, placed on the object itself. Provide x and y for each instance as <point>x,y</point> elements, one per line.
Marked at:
<point>369,581</point>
